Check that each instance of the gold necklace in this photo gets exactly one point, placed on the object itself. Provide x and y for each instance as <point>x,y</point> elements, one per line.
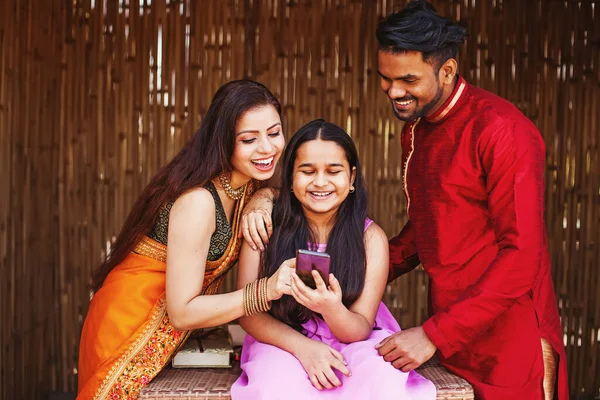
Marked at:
<point>235,194</point>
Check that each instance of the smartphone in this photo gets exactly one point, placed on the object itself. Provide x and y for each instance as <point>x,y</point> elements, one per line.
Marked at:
<point>306,261</point>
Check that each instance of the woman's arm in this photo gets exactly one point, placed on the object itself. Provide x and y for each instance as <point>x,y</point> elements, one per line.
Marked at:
<point>263,326</point>
<point>191,224</point>
<point>356,323</point>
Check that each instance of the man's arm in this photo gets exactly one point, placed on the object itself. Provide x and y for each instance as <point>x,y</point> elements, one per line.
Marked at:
<point>513,161</point>
<point>403,252</point>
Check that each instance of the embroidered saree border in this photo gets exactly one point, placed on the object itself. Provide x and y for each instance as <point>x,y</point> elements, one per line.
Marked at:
<point>151,248</point>
<point>158,342</point>
<point>146,344</point>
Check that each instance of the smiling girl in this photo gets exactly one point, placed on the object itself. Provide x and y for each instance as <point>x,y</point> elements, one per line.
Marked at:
<point>320,343</point>
<point>163,272</point>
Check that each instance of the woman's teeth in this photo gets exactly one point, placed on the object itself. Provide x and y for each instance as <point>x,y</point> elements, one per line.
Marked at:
<point>265,163</point>
<point>321,194</point>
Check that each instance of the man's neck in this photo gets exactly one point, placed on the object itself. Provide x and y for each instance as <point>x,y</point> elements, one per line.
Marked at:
<point>447,92</point>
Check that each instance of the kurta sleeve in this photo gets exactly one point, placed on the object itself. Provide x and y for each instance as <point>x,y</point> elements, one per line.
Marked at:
<point>403,252</point>
<point>512,158</point>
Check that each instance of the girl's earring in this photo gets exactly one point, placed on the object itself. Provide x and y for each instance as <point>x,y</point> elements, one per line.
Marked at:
<point>292,190</point>
<point>351,189</point>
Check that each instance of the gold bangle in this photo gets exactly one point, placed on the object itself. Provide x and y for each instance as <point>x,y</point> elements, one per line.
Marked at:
<point>248,289</point>
<point>266,304</point>
<point>249,299</point>
<point>246,311</point>
<point>253,298</point>
<point>261,295</point>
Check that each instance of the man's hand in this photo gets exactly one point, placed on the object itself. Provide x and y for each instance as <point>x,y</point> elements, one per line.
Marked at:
<point>408,349</point>
<point>256,226</point>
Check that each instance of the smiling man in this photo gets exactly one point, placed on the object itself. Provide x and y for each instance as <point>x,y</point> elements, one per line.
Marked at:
<point>473,176</point>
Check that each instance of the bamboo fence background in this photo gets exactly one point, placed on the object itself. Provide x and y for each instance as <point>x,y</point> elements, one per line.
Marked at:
<point>95,95</point>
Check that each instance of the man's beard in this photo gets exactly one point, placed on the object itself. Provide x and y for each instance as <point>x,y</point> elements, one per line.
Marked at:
<point>418,113</point>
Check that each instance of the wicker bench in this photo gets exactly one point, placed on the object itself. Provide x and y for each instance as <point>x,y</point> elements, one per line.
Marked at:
<point>215,383</point>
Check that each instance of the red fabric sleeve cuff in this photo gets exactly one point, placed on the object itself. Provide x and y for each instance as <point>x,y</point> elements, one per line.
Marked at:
<point>437,337</point>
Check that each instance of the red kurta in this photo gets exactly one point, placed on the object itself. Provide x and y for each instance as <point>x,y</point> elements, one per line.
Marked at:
<point>474,182</point>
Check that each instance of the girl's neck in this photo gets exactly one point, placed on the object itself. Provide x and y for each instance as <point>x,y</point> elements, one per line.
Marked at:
<point>321,225</point>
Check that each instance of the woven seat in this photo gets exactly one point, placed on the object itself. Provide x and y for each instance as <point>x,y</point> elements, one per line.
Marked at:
<point>215,383</point>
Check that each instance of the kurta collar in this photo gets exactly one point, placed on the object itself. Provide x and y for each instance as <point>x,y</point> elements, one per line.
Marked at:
<point>451,104</point>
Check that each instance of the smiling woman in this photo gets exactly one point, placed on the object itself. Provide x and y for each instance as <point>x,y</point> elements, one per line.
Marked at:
<point>259,149</point>
<point>148,295</point>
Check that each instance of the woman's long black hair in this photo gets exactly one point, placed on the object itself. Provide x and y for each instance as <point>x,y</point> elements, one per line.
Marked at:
<point>292,231</point>
<point>206,155</point>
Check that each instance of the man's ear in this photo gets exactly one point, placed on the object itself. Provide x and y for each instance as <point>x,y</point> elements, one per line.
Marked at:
<point>448,71</point>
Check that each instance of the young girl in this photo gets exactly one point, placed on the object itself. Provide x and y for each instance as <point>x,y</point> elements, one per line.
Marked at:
<point>321,343</point>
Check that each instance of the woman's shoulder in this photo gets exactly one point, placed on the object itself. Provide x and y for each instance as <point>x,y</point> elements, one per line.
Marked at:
<point>198,200</point>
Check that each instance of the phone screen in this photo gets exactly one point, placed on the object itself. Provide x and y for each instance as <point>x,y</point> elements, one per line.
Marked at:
<point>306,261</point>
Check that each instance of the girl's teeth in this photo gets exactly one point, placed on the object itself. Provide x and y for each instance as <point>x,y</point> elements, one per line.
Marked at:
<point>322,194</point>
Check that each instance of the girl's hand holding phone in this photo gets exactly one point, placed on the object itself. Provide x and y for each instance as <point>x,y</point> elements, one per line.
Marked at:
<point>279,283</point>
<point>323,299</point>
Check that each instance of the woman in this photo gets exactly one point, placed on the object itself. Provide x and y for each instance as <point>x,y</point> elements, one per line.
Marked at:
<point>148,295</point>
<point>323,338</point>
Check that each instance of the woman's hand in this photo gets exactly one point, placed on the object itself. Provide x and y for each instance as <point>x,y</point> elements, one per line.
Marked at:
<point>322,300</point>
<point>319,360</point>
<point>279,283</point>
<point>256,226</point>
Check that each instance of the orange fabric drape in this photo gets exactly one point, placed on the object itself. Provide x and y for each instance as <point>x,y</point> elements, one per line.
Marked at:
<point>113,335</point>
<point>127,338</point>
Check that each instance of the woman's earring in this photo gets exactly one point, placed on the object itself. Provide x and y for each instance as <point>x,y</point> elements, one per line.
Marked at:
<point>351,189</point>
<point>292,190</point>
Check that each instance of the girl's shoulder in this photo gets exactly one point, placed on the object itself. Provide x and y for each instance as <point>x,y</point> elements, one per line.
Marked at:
<point>374,233</point>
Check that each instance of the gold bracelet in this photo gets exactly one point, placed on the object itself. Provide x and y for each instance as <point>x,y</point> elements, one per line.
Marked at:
<point>253,298</point>
<point>245,302</point>
<point>266,306</point>
<point>248,299</point>
<point>261,304</point>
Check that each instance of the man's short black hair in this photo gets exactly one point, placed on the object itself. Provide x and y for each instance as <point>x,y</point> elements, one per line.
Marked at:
<point>418,27</point>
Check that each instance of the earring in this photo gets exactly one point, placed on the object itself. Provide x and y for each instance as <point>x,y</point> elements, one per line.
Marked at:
<point>352,189</point>
<point>292,190</point>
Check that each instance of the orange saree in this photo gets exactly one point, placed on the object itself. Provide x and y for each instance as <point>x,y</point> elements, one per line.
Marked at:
<point>127,337</point>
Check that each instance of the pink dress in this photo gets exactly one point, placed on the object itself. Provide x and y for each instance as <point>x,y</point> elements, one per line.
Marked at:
<point>270,373</point>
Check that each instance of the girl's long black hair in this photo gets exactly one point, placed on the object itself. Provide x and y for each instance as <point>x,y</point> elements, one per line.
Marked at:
<point>292,231</point>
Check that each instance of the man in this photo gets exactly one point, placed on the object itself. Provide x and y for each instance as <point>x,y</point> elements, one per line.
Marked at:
<point>473,169</point>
